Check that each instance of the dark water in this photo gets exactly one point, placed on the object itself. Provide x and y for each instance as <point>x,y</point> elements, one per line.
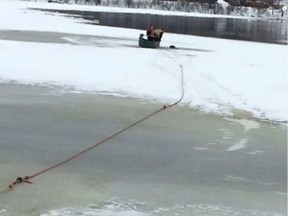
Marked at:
<point>269,31</point>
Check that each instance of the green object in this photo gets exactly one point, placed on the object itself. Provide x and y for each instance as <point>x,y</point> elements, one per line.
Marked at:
<point>145,43</point>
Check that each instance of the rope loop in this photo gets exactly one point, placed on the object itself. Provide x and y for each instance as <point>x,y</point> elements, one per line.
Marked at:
<point>19,180</point>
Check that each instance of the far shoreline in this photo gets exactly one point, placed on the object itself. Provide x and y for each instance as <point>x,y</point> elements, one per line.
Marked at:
<point>156,11</point>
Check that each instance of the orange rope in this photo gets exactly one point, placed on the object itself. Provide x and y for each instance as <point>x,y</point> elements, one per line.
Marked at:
<point>27,179</point>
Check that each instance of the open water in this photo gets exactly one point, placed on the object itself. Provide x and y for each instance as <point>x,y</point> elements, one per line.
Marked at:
<point>258,30</point>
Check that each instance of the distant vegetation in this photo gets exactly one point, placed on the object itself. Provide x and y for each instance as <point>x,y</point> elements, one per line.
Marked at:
<point>276,4</point>
<point>258,8</point>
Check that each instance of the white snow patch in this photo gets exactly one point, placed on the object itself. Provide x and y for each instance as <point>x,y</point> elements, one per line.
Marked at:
<point>239,145</point>
<point>247,124</point>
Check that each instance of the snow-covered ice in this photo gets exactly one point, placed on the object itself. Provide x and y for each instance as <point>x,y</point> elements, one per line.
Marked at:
<point>220,76</point>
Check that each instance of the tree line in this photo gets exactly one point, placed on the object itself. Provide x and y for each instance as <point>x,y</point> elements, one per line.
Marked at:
<point>177,4</point>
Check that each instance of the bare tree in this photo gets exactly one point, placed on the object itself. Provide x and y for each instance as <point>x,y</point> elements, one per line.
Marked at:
<point>212,3</point>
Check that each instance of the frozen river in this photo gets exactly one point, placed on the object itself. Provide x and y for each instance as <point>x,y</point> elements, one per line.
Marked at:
<point>179,163</point>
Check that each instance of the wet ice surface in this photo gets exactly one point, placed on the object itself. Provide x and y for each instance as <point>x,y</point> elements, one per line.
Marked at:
<point>176,163</point>
<point>65,38</point>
